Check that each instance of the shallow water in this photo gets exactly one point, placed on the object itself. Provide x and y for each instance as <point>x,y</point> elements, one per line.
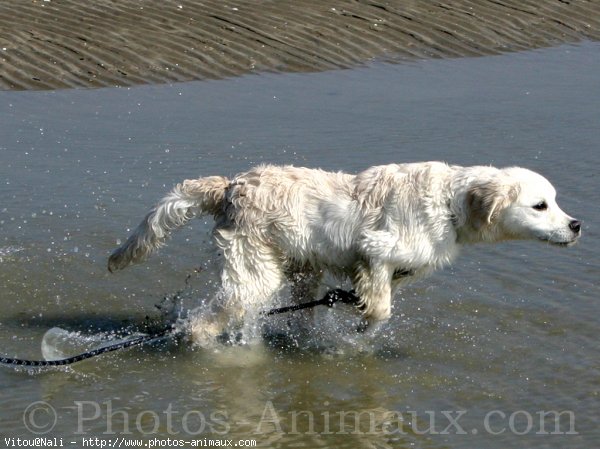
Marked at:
<point>507,334</point>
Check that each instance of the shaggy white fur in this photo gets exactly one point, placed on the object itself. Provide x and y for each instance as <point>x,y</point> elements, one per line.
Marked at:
<point>381,228</point>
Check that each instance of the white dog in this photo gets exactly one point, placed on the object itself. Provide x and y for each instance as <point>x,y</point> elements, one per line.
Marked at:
<point>380,228</point>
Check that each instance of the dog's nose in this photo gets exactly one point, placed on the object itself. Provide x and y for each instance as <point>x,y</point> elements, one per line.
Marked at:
<point>575,226</point>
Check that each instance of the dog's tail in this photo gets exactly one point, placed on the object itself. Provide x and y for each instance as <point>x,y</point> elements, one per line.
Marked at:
<point>192,197</point>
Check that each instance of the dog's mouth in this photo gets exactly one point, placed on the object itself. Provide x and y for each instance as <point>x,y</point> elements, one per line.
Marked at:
<point>559,243</point>
<point>571,243</point>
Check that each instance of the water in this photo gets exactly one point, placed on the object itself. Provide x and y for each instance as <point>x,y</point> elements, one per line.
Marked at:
<point>508,333</point>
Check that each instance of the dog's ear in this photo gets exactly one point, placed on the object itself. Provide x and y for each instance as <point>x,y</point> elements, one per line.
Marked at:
<point>485,200</point>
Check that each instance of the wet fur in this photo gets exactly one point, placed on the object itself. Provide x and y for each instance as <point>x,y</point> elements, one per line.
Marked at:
<point>380,228</point>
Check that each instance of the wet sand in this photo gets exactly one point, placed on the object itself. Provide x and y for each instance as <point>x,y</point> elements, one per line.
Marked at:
<point>70,43</point>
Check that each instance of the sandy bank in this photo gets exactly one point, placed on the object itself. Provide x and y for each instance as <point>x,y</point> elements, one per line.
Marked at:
<point>74,43</point>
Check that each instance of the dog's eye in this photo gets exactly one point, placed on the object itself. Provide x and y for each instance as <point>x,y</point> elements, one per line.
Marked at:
<point>541,206</point>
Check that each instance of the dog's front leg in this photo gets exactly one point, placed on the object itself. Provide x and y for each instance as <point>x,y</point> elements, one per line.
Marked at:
<point>373,285</point>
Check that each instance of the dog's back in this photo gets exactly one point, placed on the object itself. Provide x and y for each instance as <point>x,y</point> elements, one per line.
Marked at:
<point>305,213</point>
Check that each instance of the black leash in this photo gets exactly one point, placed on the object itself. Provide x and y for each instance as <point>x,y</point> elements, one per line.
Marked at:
<point>86,355</point>
<point>330,298</point>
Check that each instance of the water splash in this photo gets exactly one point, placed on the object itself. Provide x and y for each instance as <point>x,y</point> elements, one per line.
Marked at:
<point>58,343</point>
<point>7,251</point>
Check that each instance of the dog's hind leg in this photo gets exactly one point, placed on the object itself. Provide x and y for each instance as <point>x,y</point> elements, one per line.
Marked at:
<point>252,275</point>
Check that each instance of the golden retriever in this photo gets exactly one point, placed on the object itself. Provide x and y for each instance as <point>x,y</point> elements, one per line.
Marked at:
<point>380,228</point>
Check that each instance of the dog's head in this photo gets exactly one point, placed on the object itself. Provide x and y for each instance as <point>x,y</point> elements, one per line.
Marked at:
<point>519,204</point>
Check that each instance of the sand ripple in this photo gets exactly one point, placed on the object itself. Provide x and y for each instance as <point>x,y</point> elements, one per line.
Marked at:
<point>72,43</point>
